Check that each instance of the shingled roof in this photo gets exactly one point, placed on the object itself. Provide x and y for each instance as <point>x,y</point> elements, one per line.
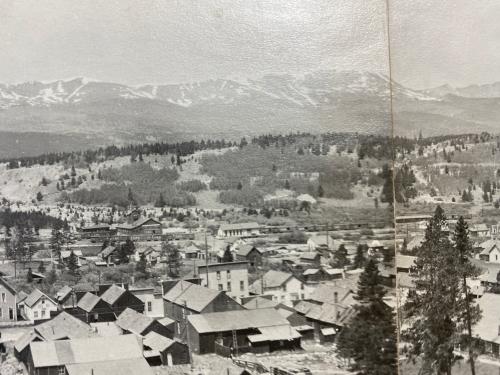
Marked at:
<point>88,302</point>
<point>63,326</point>
<point>132,321</point>
<point>96,349</point>
<point>112,294</point>
<point>194,296</point>
<point>236,320</point>
<point>131,366</point>
<point>34,296</point>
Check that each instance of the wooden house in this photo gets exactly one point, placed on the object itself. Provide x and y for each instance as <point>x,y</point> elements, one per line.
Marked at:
<point>161,350</point>
<point>120,299</point>
<point>183,298</point>
<point>130,321</point>
<point>8,302</point>
<point>239,331</point>
<point>38,306</point>
<point>250,254</point>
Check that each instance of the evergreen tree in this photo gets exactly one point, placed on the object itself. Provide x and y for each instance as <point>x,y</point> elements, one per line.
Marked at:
<point>340,259</point>
<point>29,276</point>
<point>434,306</point>
<point>39,196</point>
<point>369,339</point>
<point>142,265</point>
<point>160,202</point>
<point>173,259</point>
<point>228,255</point>
<point>470,314</point>
<point>359,259</point>
<point>73,263</point>
<point>123,255</point>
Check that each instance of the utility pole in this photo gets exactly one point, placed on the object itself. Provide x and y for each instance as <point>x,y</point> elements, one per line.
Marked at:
<point>206,255</point>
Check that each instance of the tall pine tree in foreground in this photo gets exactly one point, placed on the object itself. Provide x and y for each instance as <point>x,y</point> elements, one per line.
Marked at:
<point>368,341</point>
<point>469,313</point>
<point>434,308</point>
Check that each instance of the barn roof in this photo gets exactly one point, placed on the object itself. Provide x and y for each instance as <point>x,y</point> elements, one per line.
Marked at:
<point>112,294</point>
<point>196,297</point>
<point>132,321</point>
<point>157,342</point>
<point>63,326</point>
<point>275,333</point>
<point>88,302</point>
<point>236,320</point>
<point>95,349</point>
<point>131,366</point>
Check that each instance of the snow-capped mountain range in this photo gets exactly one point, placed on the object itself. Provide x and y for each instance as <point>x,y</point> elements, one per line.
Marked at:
<point>310,90</point>
<point>315,102</point>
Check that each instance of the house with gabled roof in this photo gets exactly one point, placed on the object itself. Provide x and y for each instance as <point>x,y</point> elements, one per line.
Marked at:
<point>161,350</point>
<point>38,306</point>
<point>487,330</point>
<point>8,302</point>
<point>92,308</point>
<point>120,299</point>
<point>260,331</point>
<point>66,297</point>
<point>490,251</point>
<point>329,307</point>
<point>183,298</point>
<point>283,286</point>
<point>63,326</point>
<point>131,321</point>
<point>108,355</point>
<point>109,255</point>
<point>249,253</point>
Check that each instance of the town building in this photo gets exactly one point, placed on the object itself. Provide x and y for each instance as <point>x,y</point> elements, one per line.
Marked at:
<point>38,306</point>
<point>152,299</point>
<point>91,308</point>
<point>119,299</point>
<point>490,251</point>
<point>230,277</point>
<point>235,332</point>
<point>250,254</point>
<point>321,243</point>
<point>161,350</point>
<point>8,302</point>
<point>182,298</point>
<point>97,355</point>
<point>284,287</point>
<point>130,321</point>
<point>487,330</point>
<point>239,230</point>
<point>145,229</point>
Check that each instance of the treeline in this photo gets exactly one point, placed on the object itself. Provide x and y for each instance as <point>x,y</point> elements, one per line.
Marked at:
<point>31,219</point>
<point>181,149</point>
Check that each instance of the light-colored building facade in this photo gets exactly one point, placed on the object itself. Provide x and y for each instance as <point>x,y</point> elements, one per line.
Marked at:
<point>284,287</point>
<point>231,277</point>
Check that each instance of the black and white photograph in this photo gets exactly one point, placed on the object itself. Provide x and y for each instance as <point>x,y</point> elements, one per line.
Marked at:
<point>234,187</point>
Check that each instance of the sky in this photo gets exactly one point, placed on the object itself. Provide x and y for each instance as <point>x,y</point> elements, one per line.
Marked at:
<point>436,42</point>
<point>172,41</point>
<point>433,42</point>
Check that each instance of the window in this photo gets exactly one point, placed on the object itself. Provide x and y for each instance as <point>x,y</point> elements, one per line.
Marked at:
<point>43,313</point>
<point>1,313</point>
<point>242,285</point>
<point>150,306</point>
<point>3,297</point>
<point>228,274</point>
<point>301,286</point>
<point>61,371</point>
<point>36,314</point>
<point>302,296</point>
<point>218,275</point>
<point>221,287</point>
<point>284,287</point>
<point>228,286</point>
